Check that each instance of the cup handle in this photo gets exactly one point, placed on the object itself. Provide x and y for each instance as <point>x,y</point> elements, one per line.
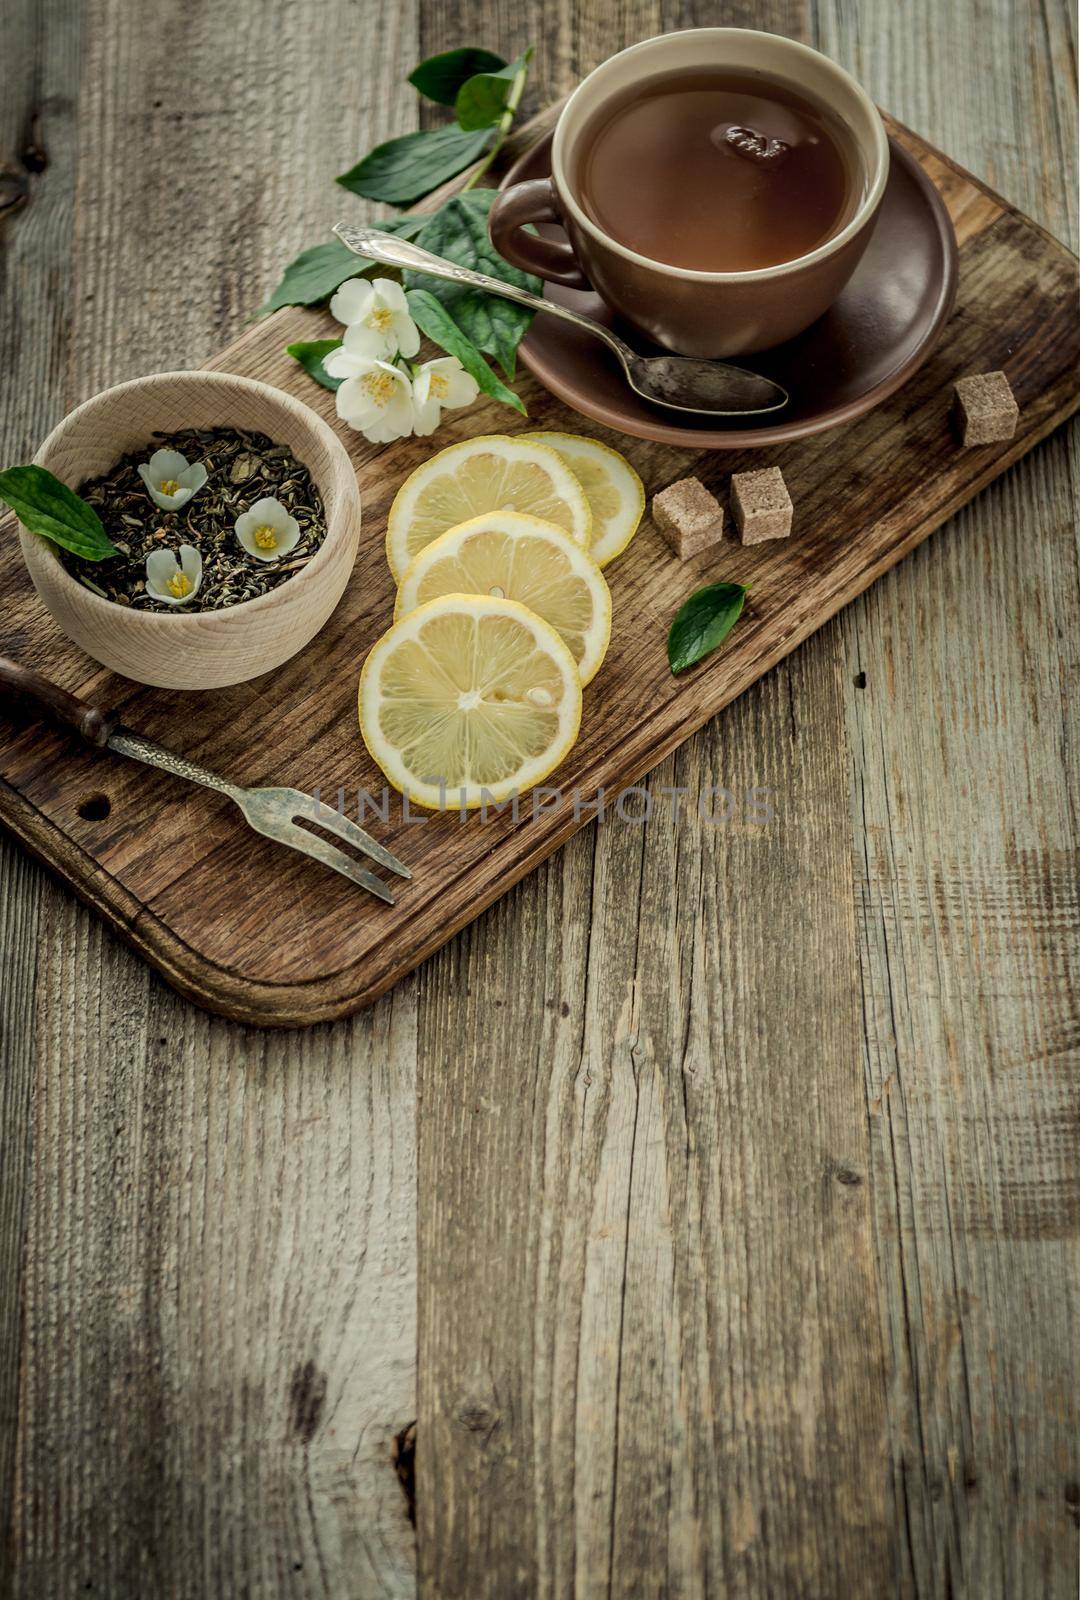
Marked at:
<point>533,201</point>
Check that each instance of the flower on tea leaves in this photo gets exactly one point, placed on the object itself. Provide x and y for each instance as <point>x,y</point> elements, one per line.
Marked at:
<point>377,322</point>
<point>173,577</point>
<point>266,530</point>
<point>437,385</point>
<point>376,398</point>
<point>169,479</point>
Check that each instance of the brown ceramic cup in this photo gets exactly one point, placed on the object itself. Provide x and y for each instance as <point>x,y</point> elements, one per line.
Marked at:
<point>709,314</point>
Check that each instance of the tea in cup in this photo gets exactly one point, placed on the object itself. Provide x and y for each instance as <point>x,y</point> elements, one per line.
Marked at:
<point>717,186</point>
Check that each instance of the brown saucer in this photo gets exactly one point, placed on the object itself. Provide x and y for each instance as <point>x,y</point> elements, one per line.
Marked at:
<point>878,333</point>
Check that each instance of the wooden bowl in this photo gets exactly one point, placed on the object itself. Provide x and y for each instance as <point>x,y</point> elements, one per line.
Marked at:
<point>207,649</point>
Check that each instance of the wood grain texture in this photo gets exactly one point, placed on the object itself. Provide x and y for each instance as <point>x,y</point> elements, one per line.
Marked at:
<point>967,871</point>
<point>523,1385</point>
<point>666,1377</point>
<point>211,1342</point>
<point>903,473</point>
<point>224,1380</point>
<point>964,982</point>
<point>40,44</point>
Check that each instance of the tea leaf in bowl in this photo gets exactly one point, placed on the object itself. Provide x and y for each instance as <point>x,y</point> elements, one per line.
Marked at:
<point>703,622</point>
<point>45,505</point>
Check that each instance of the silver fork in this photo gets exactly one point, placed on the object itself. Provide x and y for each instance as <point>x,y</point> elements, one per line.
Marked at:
<point>271,812</point>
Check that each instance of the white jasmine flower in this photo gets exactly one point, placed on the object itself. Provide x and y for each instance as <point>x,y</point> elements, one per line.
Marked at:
<point>173,577</point>
<point>440,384</point>
<point>375,398</point>
<point>169,479</point>
<point>376,317</point>
<point>266,530</point>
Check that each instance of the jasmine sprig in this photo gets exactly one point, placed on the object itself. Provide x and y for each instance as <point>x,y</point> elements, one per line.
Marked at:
<point>485,92</point>
<point>465,322</point>
<point>440,78</point>
<point>380,390</point>
<point>488,94</point>
<point>471,326</point>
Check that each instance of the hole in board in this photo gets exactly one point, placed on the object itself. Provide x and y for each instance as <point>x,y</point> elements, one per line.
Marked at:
<point>95,808</point>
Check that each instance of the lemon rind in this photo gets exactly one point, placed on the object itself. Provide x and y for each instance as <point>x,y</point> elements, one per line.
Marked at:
<point>609,555</point>
<point>579,559</point>
<point>403,501</point>
<point>427,795</point>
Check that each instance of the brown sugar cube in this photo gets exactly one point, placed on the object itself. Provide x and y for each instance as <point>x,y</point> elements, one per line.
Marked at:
<point>690,518</point>
<point>761,504</point>
<point>985,408</point>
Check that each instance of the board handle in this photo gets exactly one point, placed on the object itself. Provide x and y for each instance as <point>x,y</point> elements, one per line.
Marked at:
<point>23,683</point>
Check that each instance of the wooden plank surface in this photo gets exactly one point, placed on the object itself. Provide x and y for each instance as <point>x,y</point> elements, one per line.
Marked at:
<point>959,937</point>
<point>211,1343</point>
<point>902,472</point>
<point>682,1391</point>
<point>968,889</point>
<point>40,45</point>
<point>596,1446</point>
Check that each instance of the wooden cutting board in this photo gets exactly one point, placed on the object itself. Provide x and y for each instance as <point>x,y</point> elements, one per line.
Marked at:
<point>263,935</point>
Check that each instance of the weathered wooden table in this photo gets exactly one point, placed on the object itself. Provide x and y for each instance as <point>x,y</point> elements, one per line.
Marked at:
<point>712,1203</point>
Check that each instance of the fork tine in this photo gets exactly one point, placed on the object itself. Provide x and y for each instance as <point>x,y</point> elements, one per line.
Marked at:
<point>328,817</point>
<point>309,844</point>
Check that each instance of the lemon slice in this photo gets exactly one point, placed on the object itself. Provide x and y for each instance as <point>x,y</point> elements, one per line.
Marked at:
<point>469,699</point>
<point>613,489</point>
<point>514,557</point>
<point>489,473</point>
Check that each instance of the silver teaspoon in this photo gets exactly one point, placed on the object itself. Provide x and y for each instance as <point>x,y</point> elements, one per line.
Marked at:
<point>681,383</point>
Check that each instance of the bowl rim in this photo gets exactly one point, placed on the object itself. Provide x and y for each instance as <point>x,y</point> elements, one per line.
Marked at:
<point>681,37</point>
<point>195,621</point>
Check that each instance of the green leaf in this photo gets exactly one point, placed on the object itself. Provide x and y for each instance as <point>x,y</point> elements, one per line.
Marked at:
<point>481,101</point>
<point>406,169</point>
<point>440,77</point>
<point>46,506</point>
<point>433,319</point>
<point>316,273</point>
<point>458,231</point>
<point>703,622</point>
<point>314,276</point>
<point>309,353</point>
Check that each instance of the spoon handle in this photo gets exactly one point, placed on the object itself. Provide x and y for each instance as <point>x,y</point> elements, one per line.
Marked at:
<point>391,251</point>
